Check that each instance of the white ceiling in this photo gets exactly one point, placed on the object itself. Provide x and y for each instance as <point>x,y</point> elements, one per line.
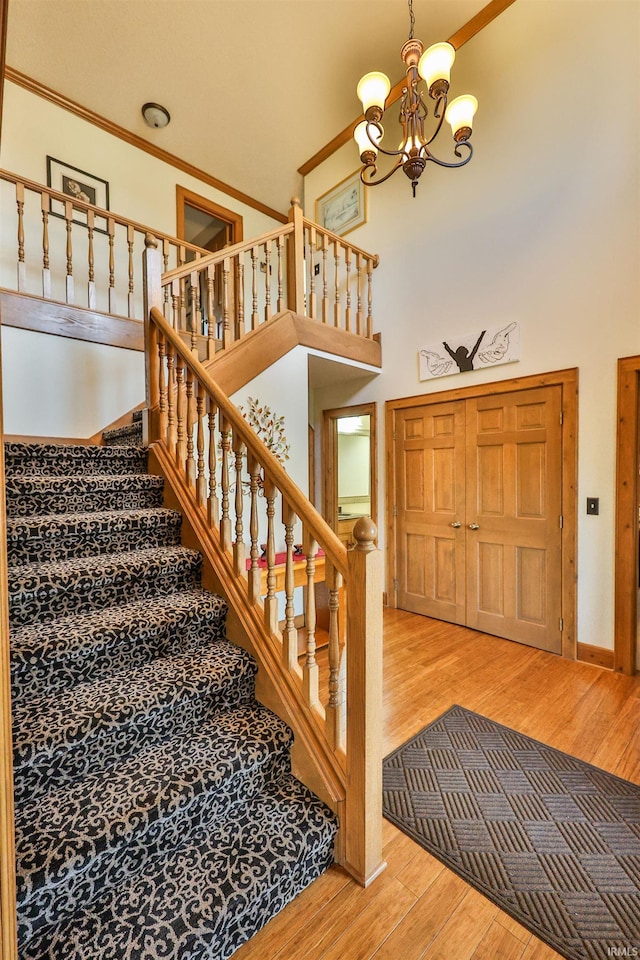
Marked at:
<point>254,87</point>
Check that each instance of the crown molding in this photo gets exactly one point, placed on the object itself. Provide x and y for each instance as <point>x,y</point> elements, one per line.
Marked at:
<point>460,37</point>
<point>40,90</point>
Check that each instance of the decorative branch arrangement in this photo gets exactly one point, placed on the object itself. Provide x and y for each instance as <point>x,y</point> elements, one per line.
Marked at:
<point>268,426</point>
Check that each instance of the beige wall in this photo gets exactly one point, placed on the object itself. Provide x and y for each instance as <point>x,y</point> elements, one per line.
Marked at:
<point>542,227</point>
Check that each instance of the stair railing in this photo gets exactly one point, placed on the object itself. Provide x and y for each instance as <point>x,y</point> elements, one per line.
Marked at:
<point>76,253</point>
<point>299,266</point>
<point>234,487</point>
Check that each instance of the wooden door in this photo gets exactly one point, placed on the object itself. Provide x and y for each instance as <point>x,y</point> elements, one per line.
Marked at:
<point>514,497</point>
<point>430,488</point>
<point>478,503</point>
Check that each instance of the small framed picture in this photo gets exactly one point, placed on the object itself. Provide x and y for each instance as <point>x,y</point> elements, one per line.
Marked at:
<point>344,207</point>
<point>78,185</point>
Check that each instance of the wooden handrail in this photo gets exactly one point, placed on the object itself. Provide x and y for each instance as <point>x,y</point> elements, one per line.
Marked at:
<point>100,211</point>
<point>334,238</point>
<point>320,529</point>
<point>226,253</point>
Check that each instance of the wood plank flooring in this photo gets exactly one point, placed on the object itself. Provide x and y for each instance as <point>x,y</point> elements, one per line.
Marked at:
<point>418,909</point>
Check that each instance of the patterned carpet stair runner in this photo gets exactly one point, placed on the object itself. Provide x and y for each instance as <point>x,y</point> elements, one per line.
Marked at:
<point>156,815</point>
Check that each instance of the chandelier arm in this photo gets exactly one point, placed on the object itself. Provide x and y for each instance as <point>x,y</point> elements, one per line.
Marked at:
<point>443,163</point>
<point>376,144</point>
<point>373,183</point>
<point>439,117</point>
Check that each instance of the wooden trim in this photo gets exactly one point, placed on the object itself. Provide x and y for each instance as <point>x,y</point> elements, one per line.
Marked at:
<point>4,15</point>
<point>598,656</point>
<point>246,358</point>
<point>8,919</point>
<point>65,441</point>
<point>568,380</point>
<point>460,37</point>
<point>191,199</point>
<point>626,544</point>
<point>40,90</point>
<point>27,312</point>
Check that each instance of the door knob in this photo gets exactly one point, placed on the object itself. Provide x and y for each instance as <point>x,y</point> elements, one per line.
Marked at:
<point>474,526</point>
<point>456,524</point>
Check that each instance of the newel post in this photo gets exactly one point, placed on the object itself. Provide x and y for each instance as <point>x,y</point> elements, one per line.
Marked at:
<point>152,293</point>
<point>295,260</point>
<point>363,813</point>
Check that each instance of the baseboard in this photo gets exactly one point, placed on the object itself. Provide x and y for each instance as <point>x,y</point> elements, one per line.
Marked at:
<point>19,438</point>
<point>599,656</point>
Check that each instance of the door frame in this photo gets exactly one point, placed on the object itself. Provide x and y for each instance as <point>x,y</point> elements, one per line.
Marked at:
<point>626,535</point>
<point>330,456</point>
<point>184,196</point>
<point>568,381</point>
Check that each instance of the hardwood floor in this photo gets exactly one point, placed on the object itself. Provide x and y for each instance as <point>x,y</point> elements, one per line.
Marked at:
<point>418,909</point>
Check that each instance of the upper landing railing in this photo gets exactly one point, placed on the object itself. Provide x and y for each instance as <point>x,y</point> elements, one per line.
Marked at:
<point>70,252</point>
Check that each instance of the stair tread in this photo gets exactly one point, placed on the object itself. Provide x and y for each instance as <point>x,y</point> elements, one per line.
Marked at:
<point>70,481</point>
<point>49,721</point>
<point>110,518</point>
<point>77,632</point>
<point>209,895</point>
<point>62,459</point>
<point>102,564</point>
<point>73,824</point>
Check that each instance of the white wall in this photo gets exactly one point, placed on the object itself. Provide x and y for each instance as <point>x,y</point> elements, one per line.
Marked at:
<point>142,188</point>
<point>541,227</point>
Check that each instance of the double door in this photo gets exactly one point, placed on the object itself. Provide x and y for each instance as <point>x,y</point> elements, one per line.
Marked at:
<point>478,507</point>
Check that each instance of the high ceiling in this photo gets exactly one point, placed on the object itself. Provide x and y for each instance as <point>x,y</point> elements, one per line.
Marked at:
<point>254,87</point>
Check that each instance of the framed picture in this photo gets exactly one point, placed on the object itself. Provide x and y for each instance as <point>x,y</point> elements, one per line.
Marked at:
<point>344,207</point>
<point>77,185</point>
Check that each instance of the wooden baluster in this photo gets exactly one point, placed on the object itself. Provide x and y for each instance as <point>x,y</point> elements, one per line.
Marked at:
<point>111,230</point>
<point>239,555</point>
<point>359,293</point>
<point>190,464</point>
<point>279,248</point>
<point>194,290</point>
<point>46,272</point>
<point>175,304</point>
<point>131,307</point>
<point>271,600</point>
<point>183,304</point>
<point>166,248</point>
<point>91,292</point>
<point>171,399</point>
<point>180,439</point>
<point>22,270</point>
<point>335,709</point>
<point>254,575</point>
<point>347,316</point>
<point>254,288</point>
<point>240,288</point>
<point>201,482</point>
<point>312,272</point>
<point>211,313</point>
<point>212,502</point>
<point>225,519</point>
<point>325,292</point>
<point>68,216</point>
<point>310,668</point>
<point>267,273</point>
<point>369,330</point>
<point>290,633</point>
<point>226,332</point>
<point>337,250</point>
<point>162,388</point>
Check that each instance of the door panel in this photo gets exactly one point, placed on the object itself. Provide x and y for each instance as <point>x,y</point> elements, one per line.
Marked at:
<point>493,465</point>
<point>513,477</point>
<point>430,488</point>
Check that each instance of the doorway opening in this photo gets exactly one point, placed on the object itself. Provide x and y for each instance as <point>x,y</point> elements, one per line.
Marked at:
<point>208,225</point>
<point>349,466</point>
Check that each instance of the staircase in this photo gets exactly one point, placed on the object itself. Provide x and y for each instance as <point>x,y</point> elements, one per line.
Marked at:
<point>156,815</point>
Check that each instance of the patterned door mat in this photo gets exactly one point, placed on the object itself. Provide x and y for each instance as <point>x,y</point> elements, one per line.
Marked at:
<point>550,839</point>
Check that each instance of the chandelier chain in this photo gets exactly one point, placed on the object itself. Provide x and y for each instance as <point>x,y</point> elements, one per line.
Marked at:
<point>412,19</point>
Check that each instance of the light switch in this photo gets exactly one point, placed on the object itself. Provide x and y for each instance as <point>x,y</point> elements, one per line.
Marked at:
<point>593,506</point>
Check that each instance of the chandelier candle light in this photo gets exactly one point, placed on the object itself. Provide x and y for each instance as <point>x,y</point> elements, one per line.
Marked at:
<point>434,67</point>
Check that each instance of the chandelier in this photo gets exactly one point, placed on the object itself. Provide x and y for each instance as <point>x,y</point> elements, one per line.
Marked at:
<point>413,153</point>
